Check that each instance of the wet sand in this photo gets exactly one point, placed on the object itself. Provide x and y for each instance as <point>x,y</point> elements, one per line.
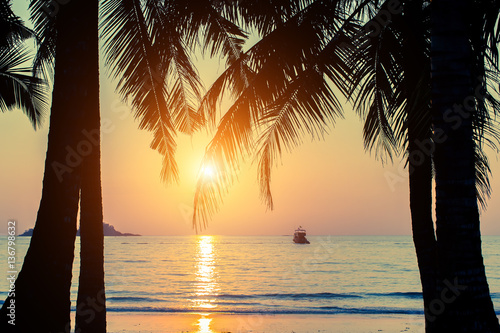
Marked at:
<point>238,323</point>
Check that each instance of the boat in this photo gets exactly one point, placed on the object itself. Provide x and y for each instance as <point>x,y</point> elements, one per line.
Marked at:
<point>299,236</point>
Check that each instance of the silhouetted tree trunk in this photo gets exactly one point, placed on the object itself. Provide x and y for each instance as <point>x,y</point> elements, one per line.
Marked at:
<point>91,307</point>
<point>464,303</point>
<point>420,146</point>
<point>42,295</point>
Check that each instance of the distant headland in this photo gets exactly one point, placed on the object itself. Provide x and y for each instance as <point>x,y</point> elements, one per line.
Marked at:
<point>107,228</point>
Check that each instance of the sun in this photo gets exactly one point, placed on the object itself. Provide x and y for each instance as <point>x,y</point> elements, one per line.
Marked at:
<point>208,171</point>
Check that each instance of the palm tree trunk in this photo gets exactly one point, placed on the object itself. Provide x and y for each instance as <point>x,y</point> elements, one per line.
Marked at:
<point>420,179</point>
<point>91,305</point>
<point>464,303</point>
<point>420,183</point>
<point>420,148</point>
<point>42,295</point>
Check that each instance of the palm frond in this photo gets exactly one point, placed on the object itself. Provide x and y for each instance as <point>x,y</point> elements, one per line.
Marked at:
<point>235,79</point>
<point>207,20</point>
<point>43,15</point>
<point>181,79</point>
<point>266,16</point>
<point>484,40</point>
<point>232,142</point>
<point>19,88</point>
<point>307,106</point>
<point>134,59</point>
<point>266,83</point>
<point>283,50</point>
<point>483,171</point>
<point>486,132</point>
<point>489,17</point>
<point>375,78</point>
<point>12,28</point>
<point>380,90</point>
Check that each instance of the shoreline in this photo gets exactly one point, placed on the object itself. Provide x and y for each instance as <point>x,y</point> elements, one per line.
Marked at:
<point>133,322</point>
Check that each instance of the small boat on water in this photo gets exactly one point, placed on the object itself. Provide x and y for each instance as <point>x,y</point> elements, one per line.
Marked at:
<point>300,236</point>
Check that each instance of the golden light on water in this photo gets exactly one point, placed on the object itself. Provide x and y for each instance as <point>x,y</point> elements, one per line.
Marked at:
<point>206,283</point>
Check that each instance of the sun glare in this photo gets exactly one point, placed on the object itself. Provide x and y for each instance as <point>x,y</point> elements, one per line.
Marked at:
<point>208,171</point>
<point>206,274</point>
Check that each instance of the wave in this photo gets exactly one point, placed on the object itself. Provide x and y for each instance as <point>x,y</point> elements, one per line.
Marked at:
<point>409,295</point>
<point>284,296</point>
<point>288,296</point>
<point>251,309</point>
<point>132,299</point>
<point>314,295</point>
<point>270,311</point>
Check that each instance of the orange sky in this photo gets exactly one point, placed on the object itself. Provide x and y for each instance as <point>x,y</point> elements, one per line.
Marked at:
<point>328,187</point>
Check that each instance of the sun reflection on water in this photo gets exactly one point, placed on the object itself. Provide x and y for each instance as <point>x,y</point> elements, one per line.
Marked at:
<point>206,283</point>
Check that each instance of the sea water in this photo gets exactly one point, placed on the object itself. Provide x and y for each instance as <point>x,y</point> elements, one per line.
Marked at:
<point>262,274</point>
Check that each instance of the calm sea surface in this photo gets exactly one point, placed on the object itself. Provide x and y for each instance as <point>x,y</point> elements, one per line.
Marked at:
<point>228,274</point>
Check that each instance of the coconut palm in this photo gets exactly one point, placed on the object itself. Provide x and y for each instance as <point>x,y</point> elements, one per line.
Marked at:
<point>392,93</point>
<point>146,45</point>
<point>457,215</point>
<point>389,89</point>
<point>406,39</point>
<point>45,277</point>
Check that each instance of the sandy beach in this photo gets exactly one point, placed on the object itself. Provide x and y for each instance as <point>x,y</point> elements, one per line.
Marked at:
<point>225,323</point>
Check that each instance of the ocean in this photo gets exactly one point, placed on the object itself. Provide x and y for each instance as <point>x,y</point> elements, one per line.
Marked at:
<point>262,274</point>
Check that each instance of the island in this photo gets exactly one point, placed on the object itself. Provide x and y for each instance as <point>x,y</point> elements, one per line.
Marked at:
<point>107,228</point>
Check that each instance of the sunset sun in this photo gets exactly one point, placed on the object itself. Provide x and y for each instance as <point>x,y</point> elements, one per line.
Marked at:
<point>208,171</point>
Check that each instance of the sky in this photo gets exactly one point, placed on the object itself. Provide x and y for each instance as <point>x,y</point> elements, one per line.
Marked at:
<point>329,187</point>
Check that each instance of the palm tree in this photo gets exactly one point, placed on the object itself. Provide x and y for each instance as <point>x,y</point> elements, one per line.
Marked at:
<point>391,90</point>
<point>457,215</point>
<point>414,111</point>
<point>91,286</point>
<point>46,274</point>
<point>393,94</point>
<point>146,45</point>
<point>19,88</point>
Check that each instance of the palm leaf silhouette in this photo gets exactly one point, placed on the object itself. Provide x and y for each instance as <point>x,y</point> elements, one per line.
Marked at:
<point>280,90</point>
